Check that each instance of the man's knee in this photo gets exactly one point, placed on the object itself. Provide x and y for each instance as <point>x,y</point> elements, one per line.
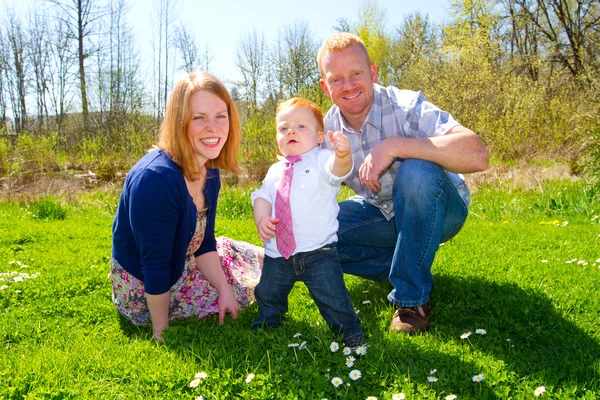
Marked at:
<point>417,179</point>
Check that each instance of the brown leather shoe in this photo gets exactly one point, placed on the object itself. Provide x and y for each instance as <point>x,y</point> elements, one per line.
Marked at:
<point>411,320</point>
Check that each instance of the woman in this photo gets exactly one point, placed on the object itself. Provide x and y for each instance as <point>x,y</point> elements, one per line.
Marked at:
<point>167,263</point>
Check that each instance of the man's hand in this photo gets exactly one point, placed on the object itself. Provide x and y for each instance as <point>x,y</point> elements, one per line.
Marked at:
<point>375,163</point>
<point>227,304</point>
<point>266,227</point>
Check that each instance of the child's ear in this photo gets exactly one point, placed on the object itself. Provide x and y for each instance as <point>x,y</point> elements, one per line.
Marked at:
<point>320,137</point>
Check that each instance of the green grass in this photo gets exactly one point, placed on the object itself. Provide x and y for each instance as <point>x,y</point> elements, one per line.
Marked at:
<point>506,272</point>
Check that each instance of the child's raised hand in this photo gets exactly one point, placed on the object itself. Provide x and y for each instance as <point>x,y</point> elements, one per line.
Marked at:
<point>339,143</point>
<point>266,227</point>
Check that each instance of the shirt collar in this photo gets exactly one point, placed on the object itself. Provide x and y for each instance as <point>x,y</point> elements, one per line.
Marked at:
<point>280,157</point>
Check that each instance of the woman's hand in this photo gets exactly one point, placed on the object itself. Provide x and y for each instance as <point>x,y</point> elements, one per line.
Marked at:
<point>227,304</point>
<point>210,266</point>
<point>158,305</point>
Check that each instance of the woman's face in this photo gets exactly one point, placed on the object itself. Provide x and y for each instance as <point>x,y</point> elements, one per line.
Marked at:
<point>208,129</point>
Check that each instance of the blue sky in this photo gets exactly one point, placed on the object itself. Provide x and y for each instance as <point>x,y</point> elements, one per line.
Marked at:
<point>221,23</point>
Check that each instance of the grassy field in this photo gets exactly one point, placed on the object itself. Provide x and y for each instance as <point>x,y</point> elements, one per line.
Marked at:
<point>526,269</point>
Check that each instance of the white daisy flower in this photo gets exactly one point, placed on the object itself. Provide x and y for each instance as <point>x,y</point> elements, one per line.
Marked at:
<point>480,331</point>
<point>433,371</point>
<point>539,391</point>
<point>478,378</point>
<point>249,378</point>
<point>350,361</point>
<point>450,397</point>
<point>200,398</point>
<point>361,350</point>
<point>293,345</point>
<point>432,379</point>
<point>367,302</point>
<point>544,261</point>
<point>297,335</point>
<point>336,381</point>
<point>3,287</point>
<point>398,396</point>
<point>302,346</point>
<point>355,374</point>
<point>466,335</point>
<point>334,346</point>
<point>195,383</point>
<point>347,351</point>
<point>371,398</point>
<point>201,375</point>
<point>365,291</point>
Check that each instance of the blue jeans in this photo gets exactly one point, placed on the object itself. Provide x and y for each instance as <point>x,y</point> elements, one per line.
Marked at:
<point>428,211</point>
<point>321,273</point>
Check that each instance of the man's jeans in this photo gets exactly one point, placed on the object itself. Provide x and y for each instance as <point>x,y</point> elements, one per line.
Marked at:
<point>321,272</point>
<point>428,211</point>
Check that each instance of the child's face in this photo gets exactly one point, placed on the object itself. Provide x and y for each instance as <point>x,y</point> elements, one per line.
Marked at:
<point>297,131</point>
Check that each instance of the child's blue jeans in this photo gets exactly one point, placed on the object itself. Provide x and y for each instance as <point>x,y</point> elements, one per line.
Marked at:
<point>321,273</point>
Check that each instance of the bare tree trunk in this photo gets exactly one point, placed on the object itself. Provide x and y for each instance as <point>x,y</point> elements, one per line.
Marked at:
<point>17,67</point>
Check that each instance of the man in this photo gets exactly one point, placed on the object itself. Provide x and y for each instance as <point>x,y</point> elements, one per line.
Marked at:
<point>408,156</point>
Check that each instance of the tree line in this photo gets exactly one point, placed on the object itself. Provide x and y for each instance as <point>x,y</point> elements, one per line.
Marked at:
<point>525,74</point>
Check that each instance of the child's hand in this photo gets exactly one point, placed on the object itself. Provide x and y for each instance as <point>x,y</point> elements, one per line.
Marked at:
<point>266,227</point>
<point>339,143</point>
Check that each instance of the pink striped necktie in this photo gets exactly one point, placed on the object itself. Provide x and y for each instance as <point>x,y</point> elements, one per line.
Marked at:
<point>286,244</point>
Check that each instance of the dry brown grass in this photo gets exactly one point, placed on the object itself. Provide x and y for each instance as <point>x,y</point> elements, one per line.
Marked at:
<point>68,186</point>
<point>519,176</point>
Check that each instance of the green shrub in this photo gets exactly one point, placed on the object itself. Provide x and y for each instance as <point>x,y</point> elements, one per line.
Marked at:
<point>259,145</point>
<point>589,162</point>
<point>106,170</point>
<point>48,209</point>
<point>4,154</point>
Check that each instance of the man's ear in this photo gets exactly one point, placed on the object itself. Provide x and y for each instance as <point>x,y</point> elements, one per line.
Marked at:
<point>324,87</point>
<point>373,69</point>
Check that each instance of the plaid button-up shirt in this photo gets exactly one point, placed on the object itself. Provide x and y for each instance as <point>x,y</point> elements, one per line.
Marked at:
<point>394,112</point>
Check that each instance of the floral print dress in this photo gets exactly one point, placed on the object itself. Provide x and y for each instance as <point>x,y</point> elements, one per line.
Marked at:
<point>192,295</point>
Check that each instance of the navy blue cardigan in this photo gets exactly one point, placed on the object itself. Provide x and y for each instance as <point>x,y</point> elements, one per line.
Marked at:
<point>156,220</point>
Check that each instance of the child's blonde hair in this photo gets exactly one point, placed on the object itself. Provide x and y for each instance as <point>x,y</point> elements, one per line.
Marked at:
<point>296,102</point>
<point>338,42</point>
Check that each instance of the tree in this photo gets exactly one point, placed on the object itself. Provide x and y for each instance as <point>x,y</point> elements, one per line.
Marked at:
<point>567,27</point>
<point>61,75</point>
<point>39,56</point>
<point>79,17</point>
<point>16,68</point>
<point>416,40</point>
<point>300,68</point>
<point>523,38</point>
<point>370,27</point>
<point>185,42</point>
<point>163,18</point>
<point>250,59</point>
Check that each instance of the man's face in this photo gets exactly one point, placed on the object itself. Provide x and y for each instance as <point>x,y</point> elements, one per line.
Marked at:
<point>348,81</point>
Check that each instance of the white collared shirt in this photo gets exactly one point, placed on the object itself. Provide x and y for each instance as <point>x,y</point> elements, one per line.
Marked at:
<point>313,201</point>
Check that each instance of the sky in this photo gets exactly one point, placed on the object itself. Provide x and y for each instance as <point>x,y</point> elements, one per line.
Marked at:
<point>221,23</point>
